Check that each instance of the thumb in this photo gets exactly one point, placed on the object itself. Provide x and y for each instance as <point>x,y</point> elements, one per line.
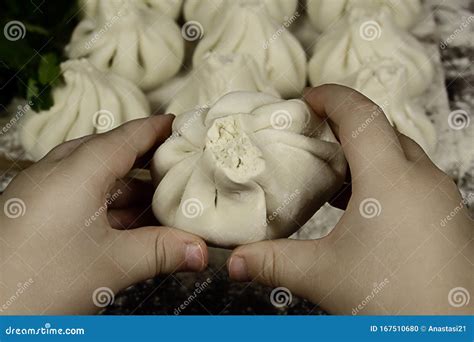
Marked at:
<point>146,252</point>
<point>276,263</point>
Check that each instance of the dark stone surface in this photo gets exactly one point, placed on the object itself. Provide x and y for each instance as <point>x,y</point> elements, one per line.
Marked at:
<point>165,295</point>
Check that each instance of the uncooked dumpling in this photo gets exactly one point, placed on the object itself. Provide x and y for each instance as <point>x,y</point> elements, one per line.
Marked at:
<point>278,54</point>
<point>170,8</point>
<point>219,75</point>
<point>362,38</point>
<point>131,40</point>
<point>207,11</point>
<point>384,83</point>
<point>325,13</point>
<point>249,168</point>
<point>89,101</point>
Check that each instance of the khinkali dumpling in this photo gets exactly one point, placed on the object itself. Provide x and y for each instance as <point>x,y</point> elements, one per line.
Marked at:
<point>278,54</point>
<point>363,37</point>
<point>131,40</point>
<point>206,12</point>
<point>170,8</point>
<point>219,75</point>
<point>250,167</point>
<point>89,101</point>
<point>325,13</point>
<point>384,83</point>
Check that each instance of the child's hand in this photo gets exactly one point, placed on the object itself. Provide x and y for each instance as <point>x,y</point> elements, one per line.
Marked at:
<point>56,242</point>
<point>404,244</point>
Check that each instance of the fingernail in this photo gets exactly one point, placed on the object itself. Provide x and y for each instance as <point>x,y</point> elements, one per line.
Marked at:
<point>194,257</point>
<point>238,269</point>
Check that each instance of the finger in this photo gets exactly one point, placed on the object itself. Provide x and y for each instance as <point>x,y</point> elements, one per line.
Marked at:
<point>366,135</point>
<point>275,263</point>
<point>147,252</point>
<point>66,148</point>
<point>413,151</point>
<point>131,192</point>
<point>131,218</point>
<point>110,156</point>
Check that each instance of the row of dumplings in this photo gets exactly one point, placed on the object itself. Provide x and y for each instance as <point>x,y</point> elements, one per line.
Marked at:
<point>123,49</point>
<point>366,45</point>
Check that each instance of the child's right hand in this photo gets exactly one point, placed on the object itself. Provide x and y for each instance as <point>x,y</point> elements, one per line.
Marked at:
<point>405,226</point>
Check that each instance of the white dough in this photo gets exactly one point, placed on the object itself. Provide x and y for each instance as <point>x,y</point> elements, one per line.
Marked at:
<point>277,52</point>
<point>249,168</point>
<point>132,40</point>
<point>362,38</point>
<point>384,83</point>
<point>89,101</point>
<point>216,76</point>
<point>206,12</point>
<point>325,13</point>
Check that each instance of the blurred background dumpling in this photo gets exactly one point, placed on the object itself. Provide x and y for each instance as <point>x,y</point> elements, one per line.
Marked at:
<point>384,83</point>
<point>218,75</point>
<point>325,13</point>
<point>170,8</point>
<point>89,101</point>
<point>247,31</point>
<point>132,40</point>
<point>206,12</point>
<point>362,38</point>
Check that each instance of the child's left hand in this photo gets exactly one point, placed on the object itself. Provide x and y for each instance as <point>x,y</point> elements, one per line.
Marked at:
<point>59,252</point>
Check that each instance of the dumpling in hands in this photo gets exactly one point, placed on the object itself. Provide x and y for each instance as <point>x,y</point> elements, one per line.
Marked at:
<point>131,40</point>
<point>384,83</point>
<point>219,75</point>
<point>250,167</point>
<point>325,13</point>
<point>244,31</point>
<point>89,101</point>
<point>207,11</point>
<point>362,38</point>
